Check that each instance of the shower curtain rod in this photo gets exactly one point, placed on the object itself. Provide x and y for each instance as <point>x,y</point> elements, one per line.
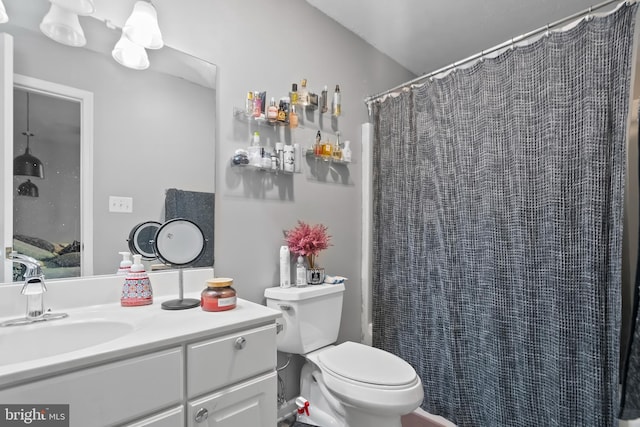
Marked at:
<point>484,53</point>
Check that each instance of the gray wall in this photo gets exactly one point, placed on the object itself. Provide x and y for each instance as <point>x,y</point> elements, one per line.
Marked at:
<point>267,45</point>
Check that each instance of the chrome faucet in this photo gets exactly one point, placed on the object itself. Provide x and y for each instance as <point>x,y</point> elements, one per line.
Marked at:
<point>34,289</point>
<point>34,286</point>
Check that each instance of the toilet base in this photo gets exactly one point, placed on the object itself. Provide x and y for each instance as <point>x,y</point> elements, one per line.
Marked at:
<point>326,411</point>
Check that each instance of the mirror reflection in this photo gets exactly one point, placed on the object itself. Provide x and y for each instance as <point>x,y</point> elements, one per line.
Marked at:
<point>151,131</point>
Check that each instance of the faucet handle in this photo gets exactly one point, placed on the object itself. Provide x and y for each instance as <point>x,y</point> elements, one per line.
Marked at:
<point>34,286</point>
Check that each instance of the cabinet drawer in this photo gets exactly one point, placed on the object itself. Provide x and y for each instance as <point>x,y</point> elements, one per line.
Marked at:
<point>251,403</point>
<point>112,393</point>
<point>222,361</point>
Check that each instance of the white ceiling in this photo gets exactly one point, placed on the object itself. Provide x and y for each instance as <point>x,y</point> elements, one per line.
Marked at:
<point>425,35</point>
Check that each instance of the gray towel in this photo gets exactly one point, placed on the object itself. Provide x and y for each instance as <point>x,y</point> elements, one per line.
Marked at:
<point>197,207</point>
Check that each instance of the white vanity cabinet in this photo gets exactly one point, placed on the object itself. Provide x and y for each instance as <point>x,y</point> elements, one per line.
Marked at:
<point>222,375</point>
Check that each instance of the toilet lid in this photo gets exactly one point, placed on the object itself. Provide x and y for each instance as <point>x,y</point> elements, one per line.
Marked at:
<point>359,362</point>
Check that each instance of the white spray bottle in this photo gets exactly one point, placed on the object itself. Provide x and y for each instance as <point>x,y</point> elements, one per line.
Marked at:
<point>285,267</point>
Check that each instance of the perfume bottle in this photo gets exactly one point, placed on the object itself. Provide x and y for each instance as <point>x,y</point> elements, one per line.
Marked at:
<point>293,95</point>
<point>248,107</point>
<point>293,117</point>
<point>272,111</point>
<point>337,102</point>
<point>336,152</point>
<point>317,147</point>
<point>327,148</point>
<point>257,105</point>
<point>303,94</point>
<point>346,152</point>
<point>323,100</point>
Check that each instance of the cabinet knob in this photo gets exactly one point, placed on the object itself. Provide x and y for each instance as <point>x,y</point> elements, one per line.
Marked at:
<point>240,343</point>
<point>201,415</point>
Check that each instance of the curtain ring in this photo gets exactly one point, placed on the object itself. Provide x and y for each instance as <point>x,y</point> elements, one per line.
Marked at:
<point>589,16</point>
<point>482,56</point>
<point>513,44</point>
<point>547,33</point>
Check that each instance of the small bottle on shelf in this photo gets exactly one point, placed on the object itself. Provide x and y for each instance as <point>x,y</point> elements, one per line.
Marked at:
<point>303,94</point>
<point>289,158</point>
<point>317,147</point>
<point>337,102</point>
<point>272,111</point>
<point>293,117</point>
<point>248,106</point>
<point>327,148</point>
<point>293,95</point>
<point>336,152</point>
<point>323,100</point>
<point>346,152</point>
<point>257,105</point>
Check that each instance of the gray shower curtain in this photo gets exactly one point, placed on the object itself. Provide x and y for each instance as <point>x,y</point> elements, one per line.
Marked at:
<point>497,219</point>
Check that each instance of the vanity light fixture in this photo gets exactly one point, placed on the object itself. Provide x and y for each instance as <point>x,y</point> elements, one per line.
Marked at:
<point>3,13</point>
<point>79,7</point>
<point>142,26</point>
<point>62,25</point>
<point>27,164</point>
<point>130,54</point>
<point>28,189</point>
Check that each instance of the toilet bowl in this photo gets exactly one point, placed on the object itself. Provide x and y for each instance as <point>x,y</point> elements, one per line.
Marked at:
<point>344,385</point>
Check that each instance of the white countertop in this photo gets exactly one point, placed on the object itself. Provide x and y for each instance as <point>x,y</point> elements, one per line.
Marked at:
<point>153,329</point>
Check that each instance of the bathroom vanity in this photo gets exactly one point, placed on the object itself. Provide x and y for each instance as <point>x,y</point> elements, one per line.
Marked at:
<point>144,366</point>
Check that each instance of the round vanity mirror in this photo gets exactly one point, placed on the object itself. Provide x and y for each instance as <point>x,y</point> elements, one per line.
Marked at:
<point>179,243</point>
<point>141,239</point>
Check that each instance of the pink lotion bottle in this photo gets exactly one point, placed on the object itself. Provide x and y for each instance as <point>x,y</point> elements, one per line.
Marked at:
<point>137,289</point>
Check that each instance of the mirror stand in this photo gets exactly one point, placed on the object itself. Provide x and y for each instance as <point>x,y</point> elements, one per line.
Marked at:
<point>181,303</point>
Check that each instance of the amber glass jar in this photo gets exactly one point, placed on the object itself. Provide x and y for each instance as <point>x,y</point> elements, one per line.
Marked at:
<point>219,295</point>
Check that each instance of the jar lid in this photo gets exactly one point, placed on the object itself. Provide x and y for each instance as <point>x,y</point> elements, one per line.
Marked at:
<point>219,282</point>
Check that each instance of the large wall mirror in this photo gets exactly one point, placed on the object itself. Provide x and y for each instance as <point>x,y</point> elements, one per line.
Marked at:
<point>151,134</point>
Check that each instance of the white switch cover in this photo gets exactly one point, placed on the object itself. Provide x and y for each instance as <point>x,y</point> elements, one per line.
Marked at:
<point>120,204</point>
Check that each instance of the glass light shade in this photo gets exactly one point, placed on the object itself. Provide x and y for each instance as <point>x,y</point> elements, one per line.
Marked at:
<point>79,7</point>
<point>142,26</point>
<point>63,26</point>
<point>28,189</point>
<point>130,55</point>
<point>3,13</point>
<point>28,165</point>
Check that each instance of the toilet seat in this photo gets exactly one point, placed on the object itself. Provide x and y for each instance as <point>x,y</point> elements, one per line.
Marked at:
<point>366,365</point>
<point>352,372</point>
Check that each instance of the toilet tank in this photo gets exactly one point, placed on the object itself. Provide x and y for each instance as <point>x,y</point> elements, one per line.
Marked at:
<point>310,316</point>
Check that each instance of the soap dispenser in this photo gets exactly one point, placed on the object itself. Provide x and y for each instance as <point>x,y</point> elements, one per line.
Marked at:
<point>137,289</point>
<point>125,264</point>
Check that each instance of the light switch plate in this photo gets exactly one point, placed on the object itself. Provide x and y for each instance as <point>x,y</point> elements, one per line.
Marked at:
<point>120,204</point>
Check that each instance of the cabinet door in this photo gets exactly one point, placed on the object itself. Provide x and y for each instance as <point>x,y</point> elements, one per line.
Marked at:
<point>252,403</point>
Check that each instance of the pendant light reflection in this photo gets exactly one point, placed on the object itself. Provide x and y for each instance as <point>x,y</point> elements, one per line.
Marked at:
<point>28,189</point>
<point>63,26</point>
<point>27,164</point>
<point>130,55</point>
<point>142,26</point>
<point>3,14</point>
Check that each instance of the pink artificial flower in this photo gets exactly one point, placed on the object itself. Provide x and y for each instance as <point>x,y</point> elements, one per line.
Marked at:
<point>307,240</point>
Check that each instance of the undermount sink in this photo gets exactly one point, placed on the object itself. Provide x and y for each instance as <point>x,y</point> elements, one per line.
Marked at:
<point>39,340</point>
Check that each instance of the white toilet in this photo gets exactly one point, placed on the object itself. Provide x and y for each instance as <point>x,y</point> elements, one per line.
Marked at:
<point>346,385</point>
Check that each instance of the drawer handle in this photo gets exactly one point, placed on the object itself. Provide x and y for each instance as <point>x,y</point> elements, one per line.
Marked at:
<point>240,343</point>
<point>201,415</point>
